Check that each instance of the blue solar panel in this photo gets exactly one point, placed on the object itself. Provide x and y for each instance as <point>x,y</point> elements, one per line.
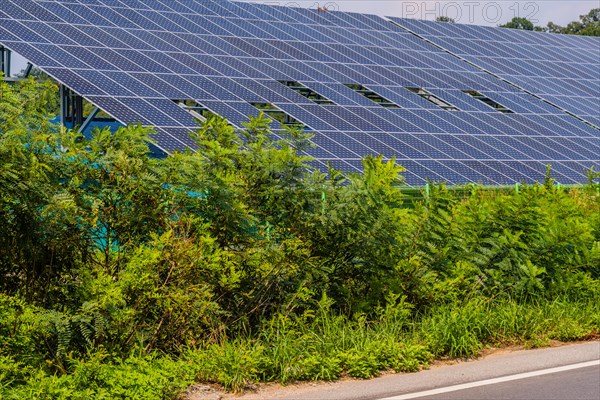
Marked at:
<point>133,58</point>
<point>570,64</point>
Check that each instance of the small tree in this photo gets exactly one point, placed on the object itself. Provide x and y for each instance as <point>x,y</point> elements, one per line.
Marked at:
<point>519,23</point>
<point>588,25</point>
<point>593,177</point>
<point>443,18</point>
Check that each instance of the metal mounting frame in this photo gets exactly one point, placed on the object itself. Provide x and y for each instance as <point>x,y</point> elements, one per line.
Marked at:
<point>71,107</point>
<point>5,61</point>
<point>72,110</point>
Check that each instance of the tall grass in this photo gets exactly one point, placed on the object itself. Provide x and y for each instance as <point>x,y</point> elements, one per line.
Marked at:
<point>462,331</point>
<point>321,346</point>
<point>326,346</point>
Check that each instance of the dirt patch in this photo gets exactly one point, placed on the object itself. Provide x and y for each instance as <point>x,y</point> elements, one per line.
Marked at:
<point>203,392</point>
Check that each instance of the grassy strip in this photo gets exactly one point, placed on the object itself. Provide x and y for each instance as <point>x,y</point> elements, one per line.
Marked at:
<point>317,347</point>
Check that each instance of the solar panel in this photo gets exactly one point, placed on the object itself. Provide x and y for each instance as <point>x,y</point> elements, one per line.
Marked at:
<point>562,70</point>
<point>388,91</point>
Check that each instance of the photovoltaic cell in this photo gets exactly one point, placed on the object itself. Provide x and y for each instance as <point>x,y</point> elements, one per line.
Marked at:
<point>525,58</point>
<point>134,58</point>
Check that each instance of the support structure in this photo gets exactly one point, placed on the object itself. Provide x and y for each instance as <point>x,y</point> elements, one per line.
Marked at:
<point>91,118</point>
<point>71,107</point>
<point>5,59</point>
<point>61,94</point>
<point>28,70</point>
<point>72,114</point>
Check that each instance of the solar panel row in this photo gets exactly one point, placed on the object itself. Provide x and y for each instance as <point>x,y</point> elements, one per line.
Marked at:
<point>564,70</point>
<point>384,85</point>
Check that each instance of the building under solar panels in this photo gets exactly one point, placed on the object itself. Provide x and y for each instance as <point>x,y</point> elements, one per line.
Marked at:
<point>455,103</point>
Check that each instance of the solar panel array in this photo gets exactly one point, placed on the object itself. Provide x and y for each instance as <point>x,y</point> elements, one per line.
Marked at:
<point>133,58</point>
<point>563,69</point>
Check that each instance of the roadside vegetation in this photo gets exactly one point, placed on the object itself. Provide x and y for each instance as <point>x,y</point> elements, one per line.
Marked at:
<point>126,276</point>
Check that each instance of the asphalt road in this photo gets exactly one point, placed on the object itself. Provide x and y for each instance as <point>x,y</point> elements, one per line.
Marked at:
<point>577,384</point>
<point>539,383</point>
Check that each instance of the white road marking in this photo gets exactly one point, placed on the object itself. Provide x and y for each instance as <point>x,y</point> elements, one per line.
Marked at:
<point>493,381</point>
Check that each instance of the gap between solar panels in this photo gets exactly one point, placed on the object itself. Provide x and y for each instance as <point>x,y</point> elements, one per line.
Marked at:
<point>279,115</point>
<point>307,92</point>
<point>432,98</point>
<point>484,99</point>
<point>371,95</point>
<point>197,110</point>
<point>200,112</point>
<point>479,67</point>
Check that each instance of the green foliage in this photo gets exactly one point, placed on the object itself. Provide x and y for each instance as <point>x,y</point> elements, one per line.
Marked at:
<point>100,377</point>
<point>593,178</point>
<point>519,23</point>
<point>354,235</point>
<point>443,18</point>
<point>454,331</point>
<point>588,25</point>
<point>233,364</point>
<point>463,330</point>
<point>124,276</point>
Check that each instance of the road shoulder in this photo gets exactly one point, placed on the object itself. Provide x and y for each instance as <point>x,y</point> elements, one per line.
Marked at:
<point>490,365</point>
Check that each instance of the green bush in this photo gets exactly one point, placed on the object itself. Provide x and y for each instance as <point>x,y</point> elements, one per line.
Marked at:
<point>127,276</point>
